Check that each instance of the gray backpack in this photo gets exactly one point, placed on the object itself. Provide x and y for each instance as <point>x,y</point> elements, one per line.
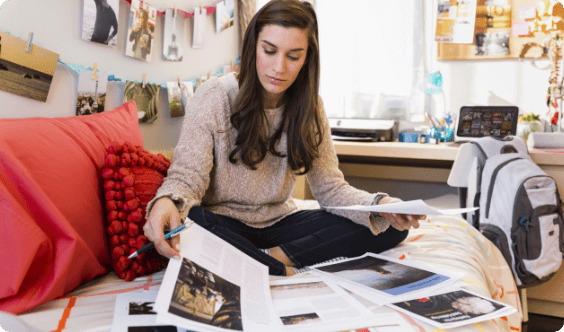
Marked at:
<point>520,209</point>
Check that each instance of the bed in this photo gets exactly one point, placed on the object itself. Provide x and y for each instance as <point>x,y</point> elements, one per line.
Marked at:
<point>441,241</point>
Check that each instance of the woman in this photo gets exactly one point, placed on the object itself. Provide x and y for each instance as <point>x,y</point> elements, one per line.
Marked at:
<point>243,142</point>
<point>105,21</point>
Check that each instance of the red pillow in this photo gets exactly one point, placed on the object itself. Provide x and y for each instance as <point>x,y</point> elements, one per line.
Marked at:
<point>131,179</point>
<point>52,234</point>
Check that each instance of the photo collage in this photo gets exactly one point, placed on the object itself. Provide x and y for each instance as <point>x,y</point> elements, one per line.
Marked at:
<point>481,122</point>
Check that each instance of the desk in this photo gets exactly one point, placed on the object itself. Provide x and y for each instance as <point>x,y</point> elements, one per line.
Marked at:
<point>432,163</point>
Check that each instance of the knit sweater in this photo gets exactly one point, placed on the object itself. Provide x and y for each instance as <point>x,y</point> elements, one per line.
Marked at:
<point>201,173</point>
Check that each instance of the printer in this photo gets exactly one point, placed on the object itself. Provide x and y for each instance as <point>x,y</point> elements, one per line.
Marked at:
<point>373,130</point>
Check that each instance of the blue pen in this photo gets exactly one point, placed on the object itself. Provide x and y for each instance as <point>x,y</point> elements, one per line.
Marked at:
<point>151,245</point>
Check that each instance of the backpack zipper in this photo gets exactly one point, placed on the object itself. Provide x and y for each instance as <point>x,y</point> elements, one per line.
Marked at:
<point>492,183</point>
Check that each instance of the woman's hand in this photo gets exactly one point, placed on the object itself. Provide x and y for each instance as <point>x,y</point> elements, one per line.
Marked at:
<point>164,214</point>
<point>401,222</point>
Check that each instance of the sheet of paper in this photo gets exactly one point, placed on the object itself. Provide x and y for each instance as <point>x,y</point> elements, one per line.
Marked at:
<point>385,280</point>
<point>312,304</point>
<point>408,207</point>
<point>215,287</point>
<point>134,312</point>
<point>453,309</point>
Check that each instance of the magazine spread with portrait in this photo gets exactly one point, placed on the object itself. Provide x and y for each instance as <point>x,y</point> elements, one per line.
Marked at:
<point>215,287</point>
<point>312,304</point>
<point>454,309</point>
<point>385,280</point>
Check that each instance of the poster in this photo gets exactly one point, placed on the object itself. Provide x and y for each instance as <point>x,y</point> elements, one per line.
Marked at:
<point>456,20</point>
<point>91,94</point>
<point>141,31</point>
<point>146,98</point>
<point>99,21</point>
<point>173,36</point>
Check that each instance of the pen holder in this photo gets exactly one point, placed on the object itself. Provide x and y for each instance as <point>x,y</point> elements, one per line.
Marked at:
<point>442,135</point>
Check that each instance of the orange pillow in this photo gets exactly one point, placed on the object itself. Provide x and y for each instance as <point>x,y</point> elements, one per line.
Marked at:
<point>52,234</point>
<point>131,179</point>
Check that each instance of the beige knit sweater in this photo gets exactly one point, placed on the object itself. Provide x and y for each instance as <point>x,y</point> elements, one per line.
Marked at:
<point>201,173</point>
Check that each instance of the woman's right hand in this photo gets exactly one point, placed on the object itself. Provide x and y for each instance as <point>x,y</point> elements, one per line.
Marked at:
<point>164,214</point>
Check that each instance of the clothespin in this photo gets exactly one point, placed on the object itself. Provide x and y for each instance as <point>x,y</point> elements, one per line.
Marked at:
<point>178,78</point>
<point>29,39</point>
<point>231,66</point>
<point>202,10</point>
<point>95,68</point>
<point>144,80</point>
<point>174,15</point>
<point>209,74</point>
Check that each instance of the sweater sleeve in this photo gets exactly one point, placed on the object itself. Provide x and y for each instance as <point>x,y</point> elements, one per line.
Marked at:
<point>329,187</point>
<point>189,174</point>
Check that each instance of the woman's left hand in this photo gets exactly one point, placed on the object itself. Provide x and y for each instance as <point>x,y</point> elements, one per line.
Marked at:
<point>401,222</point>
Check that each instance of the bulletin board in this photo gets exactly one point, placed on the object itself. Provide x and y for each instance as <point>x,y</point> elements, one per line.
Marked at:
<point>500,21</point>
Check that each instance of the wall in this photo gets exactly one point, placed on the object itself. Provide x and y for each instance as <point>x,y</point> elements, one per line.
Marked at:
<point>57,26</point>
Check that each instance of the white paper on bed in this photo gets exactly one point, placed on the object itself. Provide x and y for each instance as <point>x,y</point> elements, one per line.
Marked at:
<point>212,282</point>
<point>417,206</point>
<point>385,280</point>
<point>453,309</point>
<point>312,304</point>
<point>135,311</point>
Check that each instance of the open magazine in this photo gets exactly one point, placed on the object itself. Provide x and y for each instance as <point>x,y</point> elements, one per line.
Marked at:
<point>215,287</point>
<point>454,309</point>
<point>313,304</point>
<point>384,280</point>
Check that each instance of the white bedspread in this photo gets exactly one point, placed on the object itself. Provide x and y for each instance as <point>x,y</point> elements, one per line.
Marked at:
<point>441,241</point>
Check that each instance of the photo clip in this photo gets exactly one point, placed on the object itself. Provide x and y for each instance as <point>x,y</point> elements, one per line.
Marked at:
<point>144,80</point>
<point>95,69</point>
<point>29,40</point>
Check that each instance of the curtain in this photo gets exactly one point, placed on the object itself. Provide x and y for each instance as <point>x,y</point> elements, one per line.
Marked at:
<point>373,61</point>
<point>247,9</point>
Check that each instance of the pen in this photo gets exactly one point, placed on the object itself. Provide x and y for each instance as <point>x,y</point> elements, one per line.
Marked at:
<point>151,245</point>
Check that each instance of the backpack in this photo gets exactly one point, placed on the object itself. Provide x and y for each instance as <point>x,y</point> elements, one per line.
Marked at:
<point>520,209</point>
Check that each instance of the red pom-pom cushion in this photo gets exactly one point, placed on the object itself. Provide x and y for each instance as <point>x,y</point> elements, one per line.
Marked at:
<point>52,235</point>
<point>131,179</point>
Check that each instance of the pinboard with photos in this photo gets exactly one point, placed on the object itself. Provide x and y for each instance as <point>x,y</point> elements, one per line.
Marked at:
<point>504,29</point>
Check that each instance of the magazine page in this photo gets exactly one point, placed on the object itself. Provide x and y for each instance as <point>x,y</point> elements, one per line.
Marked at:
<point>384,280</point>
<point>134,312</point>
<point>215,287</point>
<point>312,304</point>
<point>454,309</point>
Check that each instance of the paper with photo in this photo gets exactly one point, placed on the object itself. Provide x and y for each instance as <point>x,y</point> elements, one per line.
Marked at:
<point>215,287</point>
<point>134,312</point>
<point>455,23</point>
<point>414,207</point>
<point>28,74</point>
<point>199,37</point>
<point>91,93</point>
<point>312,304</point>
<point>453,309</point>
<point>173,36</point>
<point>140,30</point>
<point>384,280</point>
<point>100,22</point>
<point>179,96</point>
<point>224,15</point>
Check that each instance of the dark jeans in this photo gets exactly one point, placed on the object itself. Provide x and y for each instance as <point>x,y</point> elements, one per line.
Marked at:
<point>307,237</point>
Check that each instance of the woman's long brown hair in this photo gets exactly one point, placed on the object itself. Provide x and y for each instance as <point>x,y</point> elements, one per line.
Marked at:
<point>300,116</point>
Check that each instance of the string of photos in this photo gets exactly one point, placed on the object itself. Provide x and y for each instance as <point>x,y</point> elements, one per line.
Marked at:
<point>33,67</point>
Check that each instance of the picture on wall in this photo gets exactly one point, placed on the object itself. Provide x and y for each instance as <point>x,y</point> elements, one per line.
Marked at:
<point>146,98</point>
<point>224,17</point>
<point>179,96</point>
<point>99,21</point>
<point>199,38</point>
<point>25,74</point>
<point>492,43</point>
<point>173,36</point>
<point>91,96</point>
<point>141,30</point>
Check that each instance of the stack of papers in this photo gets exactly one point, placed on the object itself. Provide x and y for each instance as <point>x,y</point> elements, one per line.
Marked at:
<point>216,287</point>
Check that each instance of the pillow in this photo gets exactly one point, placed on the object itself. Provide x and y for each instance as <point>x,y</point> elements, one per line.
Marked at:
<point>131,179</point>
<point>52,234</point>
